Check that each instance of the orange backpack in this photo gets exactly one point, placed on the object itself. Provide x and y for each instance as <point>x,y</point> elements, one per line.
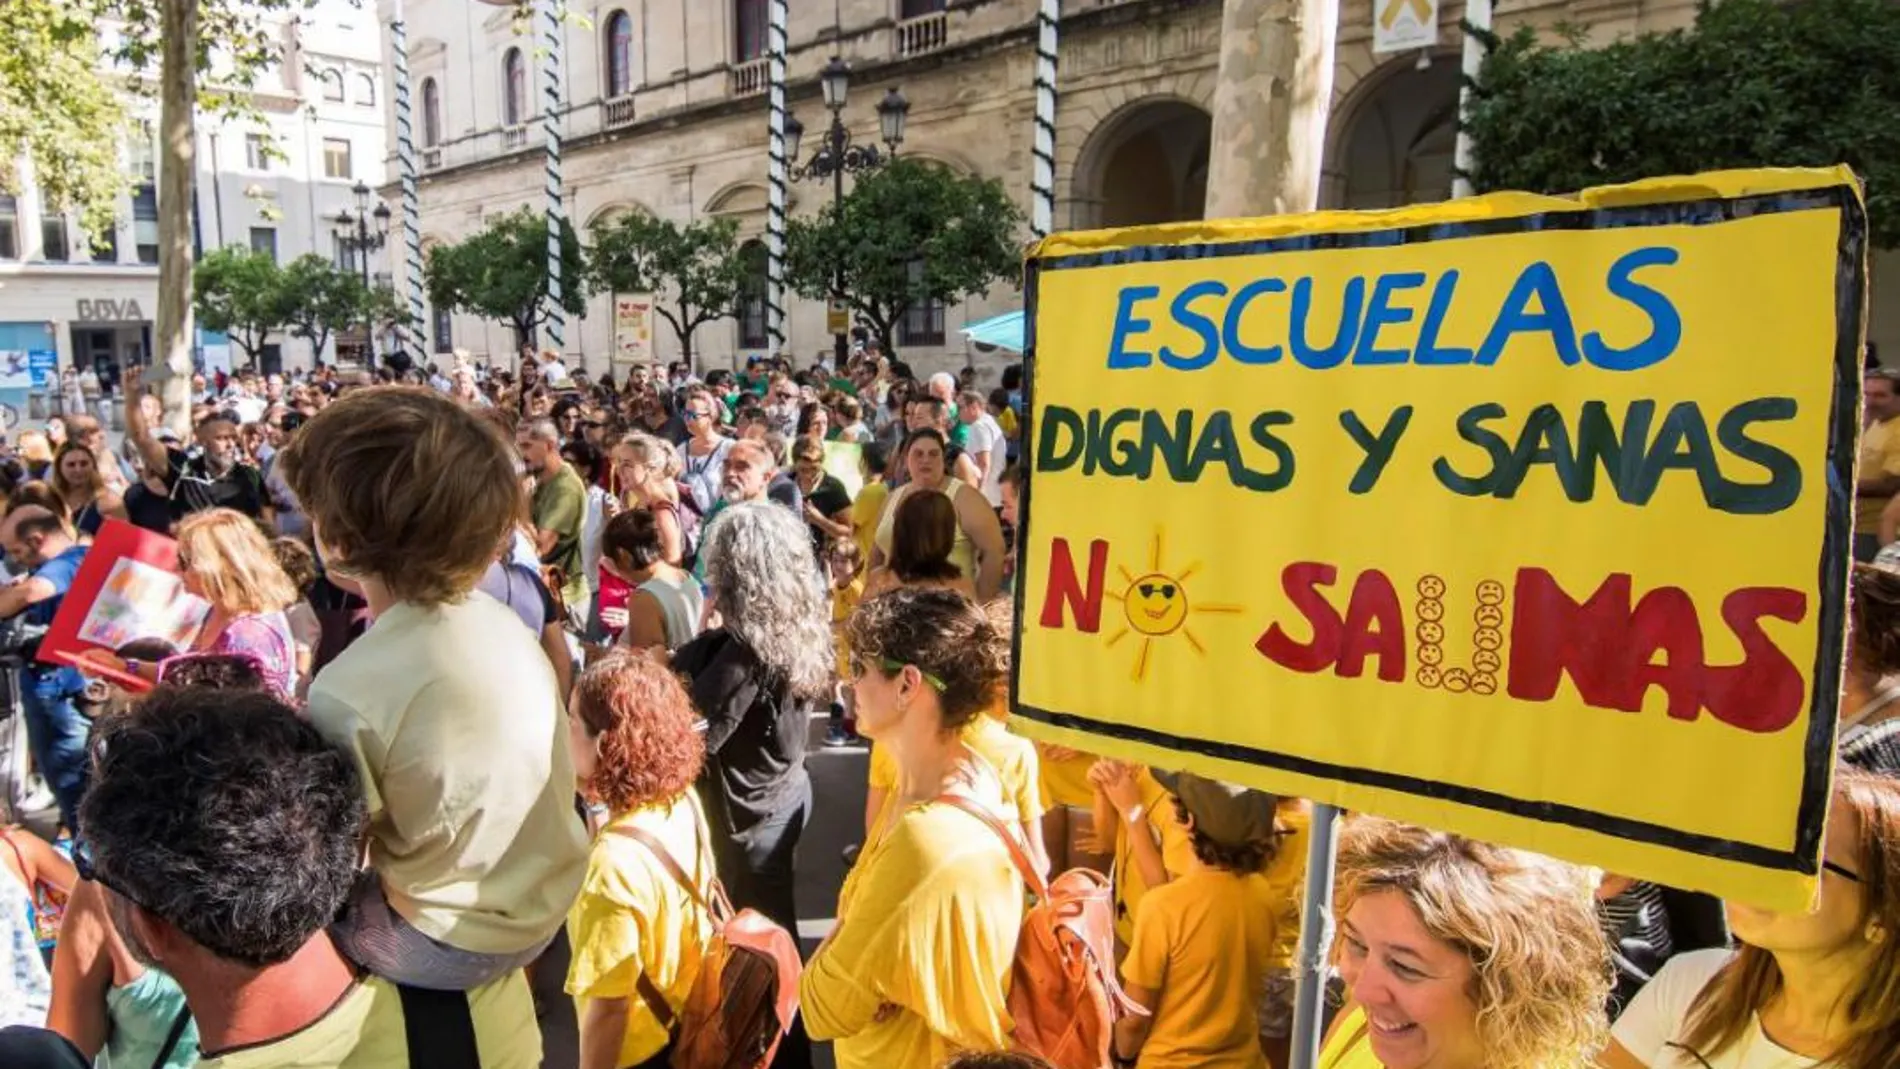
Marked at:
<point>743,1001</point>
<point>1064,995</point>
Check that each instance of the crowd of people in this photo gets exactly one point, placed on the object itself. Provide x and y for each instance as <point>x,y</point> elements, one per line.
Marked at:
<point>509,679</point>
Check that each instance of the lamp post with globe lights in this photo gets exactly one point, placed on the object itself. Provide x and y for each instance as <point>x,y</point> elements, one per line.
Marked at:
<point>360,233</point>
<point>836,155</point>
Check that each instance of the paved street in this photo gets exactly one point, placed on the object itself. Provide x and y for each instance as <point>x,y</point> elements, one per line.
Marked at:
<point>837,820</point>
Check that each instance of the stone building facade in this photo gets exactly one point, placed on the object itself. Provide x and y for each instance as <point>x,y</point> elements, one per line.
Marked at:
<point>276,183</point>
<point>666,113</point>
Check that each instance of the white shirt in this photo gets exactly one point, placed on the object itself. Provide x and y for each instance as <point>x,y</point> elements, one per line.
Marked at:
<point>1659,1016</point>
<point>591,526</point>
<point>554,372</point>
<point>986,436</point>
<point>454,720</point>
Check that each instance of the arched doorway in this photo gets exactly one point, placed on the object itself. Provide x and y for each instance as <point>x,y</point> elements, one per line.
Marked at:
<point>1145,164</point>
<point>1395,147</point>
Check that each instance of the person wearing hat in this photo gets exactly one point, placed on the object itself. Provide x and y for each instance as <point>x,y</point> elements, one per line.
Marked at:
<point>1204,940</point>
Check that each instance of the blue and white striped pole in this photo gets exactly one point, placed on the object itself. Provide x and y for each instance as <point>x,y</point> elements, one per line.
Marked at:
<point>550,18</point>
<point>778,177</point>
<point>411,332</point>
<point>1042,178</point>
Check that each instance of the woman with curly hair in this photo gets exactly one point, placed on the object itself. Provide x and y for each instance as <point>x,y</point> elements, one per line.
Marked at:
<point>1458,954</point>
<point>1819,987</point>
<point>756,677</point>
<point>1204,940</point>
<point>637,932</point>
<point>918,965</point>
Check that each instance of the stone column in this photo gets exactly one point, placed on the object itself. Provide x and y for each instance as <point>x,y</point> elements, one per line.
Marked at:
<point>1270,106</point>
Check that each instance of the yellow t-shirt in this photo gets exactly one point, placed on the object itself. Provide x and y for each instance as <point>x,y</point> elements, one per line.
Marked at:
<point>1879,455</point>
<point>918,966</point>
<point>1202,941</point>
<point>1350,1046</point>
<point>1013,757</point>
<point>844,602</point>
<point>1177,852</point>
<point>1066,782</point>
<point>865,510</point>
<point>452,716</point>
<point>365,1031</point>
<point>632,916</point>
<point>1286,881</point>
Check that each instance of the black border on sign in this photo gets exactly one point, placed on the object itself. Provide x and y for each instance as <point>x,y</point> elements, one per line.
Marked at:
<point>1832,568</point>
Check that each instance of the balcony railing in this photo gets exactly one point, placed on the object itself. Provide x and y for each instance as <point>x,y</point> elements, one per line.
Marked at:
<point>925,33</point>
<point>616,112</point>
<point>749,77</point>
<point>431,159</point>
<point>513,137</point>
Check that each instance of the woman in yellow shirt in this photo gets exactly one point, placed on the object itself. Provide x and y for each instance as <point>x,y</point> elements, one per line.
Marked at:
<point>638,934</point>
<point>1462,955</point>
<point>918,965</point>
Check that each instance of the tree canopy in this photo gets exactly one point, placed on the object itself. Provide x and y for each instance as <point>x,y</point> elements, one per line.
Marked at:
<point>500,273</point>
<point>1755,83</point>
<point>240,292</point>
<point>909,233</point>
<point>694,271</point>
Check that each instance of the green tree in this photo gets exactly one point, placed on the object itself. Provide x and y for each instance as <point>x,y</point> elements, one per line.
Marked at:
<point>240,292</point>
<point>60,109</point>
<point>58,112</point>
<point>321,299</point>
<point>501,273</point>
<point>694,272</point>
<point>907,234</point>
<point>1754,83</point>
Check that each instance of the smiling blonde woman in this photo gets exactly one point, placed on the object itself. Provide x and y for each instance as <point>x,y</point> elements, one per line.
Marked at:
<point>1462,955</point>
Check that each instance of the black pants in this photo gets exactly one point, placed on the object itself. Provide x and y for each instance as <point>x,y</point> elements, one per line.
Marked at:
<point>757,867</point>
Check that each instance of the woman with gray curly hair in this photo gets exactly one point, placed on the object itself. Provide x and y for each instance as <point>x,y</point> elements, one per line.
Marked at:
<point>756,678</point>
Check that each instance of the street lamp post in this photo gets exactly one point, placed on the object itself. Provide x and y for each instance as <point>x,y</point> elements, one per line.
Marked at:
<point>362,232</point>
<point>837,155</point>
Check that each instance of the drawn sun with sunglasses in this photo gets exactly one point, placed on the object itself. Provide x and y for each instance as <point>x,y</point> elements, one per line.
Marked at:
<point>1156,605</point>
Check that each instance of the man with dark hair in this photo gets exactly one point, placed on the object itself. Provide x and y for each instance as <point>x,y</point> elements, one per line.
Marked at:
<point>55,731</point>
<point>224,831</point>
<point>1879,459</point>
<point>212,476</point>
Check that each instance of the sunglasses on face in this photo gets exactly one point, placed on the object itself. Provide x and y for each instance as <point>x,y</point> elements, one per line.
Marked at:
<point>858,668</point>
<point>82,864</point>
<point>1148,590</point>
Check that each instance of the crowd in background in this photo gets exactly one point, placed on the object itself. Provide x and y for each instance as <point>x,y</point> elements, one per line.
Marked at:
<point>509,676</point>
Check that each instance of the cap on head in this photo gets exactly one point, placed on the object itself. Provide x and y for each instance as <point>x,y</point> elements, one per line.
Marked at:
<point>1228,814</point>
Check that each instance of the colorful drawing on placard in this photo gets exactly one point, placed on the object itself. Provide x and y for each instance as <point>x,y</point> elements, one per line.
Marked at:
<point>141,601</point>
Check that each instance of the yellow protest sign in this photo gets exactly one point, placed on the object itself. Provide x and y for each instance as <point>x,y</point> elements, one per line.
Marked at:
<point>1521,517</point>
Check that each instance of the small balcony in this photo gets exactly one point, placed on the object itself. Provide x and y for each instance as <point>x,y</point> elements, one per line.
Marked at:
<point>925,33</point>
<point>513,137</point>
<point>749,78</point>
<point>616,112</point>
<point>431,159</point>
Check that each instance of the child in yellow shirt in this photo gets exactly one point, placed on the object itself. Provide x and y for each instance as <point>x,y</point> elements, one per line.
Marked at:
<point>844,563</point>
<point>1203,942</point>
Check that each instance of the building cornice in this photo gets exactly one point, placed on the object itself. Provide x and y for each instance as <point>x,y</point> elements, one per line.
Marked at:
<point>1007,39</point>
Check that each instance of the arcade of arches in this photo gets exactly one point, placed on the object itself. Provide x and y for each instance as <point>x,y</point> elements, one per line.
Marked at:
<point>1392,145</point>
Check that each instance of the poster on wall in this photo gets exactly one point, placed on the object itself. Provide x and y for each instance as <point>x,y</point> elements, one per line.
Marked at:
<point>1404,25</point>
<point>43,365</point>
<point>633,328</point>
<point>1471,514</point>
<point>15,370</point>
